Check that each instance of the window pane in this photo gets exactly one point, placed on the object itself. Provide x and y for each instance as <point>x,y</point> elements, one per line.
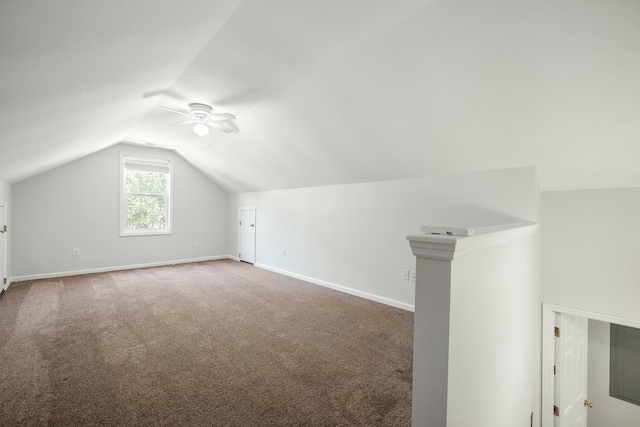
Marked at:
<point>146,211</point>
<point>133,212</point>
<point>153,183</point>
<point>132,223</point>
<point>161,183</point>
<point>128,183</point>
<point>146,182</point>
<point>158,204</point>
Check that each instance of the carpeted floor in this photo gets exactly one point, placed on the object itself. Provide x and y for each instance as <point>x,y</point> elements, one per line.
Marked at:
<point>216,343</point>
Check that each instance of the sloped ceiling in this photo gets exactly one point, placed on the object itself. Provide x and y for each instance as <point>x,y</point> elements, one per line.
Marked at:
<point>329,91</point>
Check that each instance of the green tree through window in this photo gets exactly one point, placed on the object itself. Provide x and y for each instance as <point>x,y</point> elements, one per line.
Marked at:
<point>146,195</point>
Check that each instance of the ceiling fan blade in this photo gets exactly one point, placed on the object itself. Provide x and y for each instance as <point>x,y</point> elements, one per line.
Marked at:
<point>230,124</point>
<point>175,111</point>
<point>222,116</point>
<point>219,127</point>
<point>161,92</point>
<point>183,123</point>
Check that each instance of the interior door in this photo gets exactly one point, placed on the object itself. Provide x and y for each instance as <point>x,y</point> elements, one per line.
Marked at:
<point>3,247</point>
<point>247,246</point>
<point>571,368</point>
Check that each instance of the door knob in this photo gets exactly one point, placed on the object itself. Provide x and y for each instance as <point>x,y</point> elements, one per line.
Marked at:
<point>587,403</point>
<point>252,225</point>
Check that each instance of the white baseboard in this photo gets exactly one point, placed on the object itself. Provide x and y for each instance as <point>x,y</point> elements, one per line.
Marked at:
<point>351,291</point>
<point>114,268</point>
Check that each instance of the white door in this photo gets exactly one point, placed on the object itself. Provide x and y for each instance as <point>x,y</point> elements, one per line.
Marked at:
<point>247,244</point>
<point>3,247</point>
<point>571,367</point>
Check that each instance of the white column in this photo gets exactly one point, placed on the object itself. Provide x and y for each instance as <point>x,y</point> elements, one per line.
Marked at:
<point>431,343</point>
<point>434,267</point>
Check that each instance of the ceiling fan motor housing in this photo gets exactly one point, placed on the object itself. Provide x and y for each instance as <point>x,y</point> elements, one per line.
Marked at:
<point>200,110</point>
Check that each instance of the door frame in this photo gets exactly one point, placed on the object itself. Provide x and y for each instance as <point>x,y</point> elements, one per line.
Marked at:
<point>548,350</point>
<point>255,260</point>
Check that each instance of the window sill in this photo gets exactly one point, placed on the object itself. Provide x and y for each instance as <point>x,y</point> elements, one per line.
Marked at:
<point>144,233</point>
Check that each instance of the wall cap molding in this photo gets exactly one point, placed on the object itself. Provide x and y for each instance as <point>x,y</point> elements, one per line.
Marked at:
<point>447,248</point>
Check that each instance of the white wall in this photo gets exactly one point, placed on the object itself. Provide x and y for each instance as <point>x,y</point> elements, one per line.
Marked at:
<point>5,191</point>
<point>5,196</point>
<point>494,336</point>
<point>606,411</point>
<point>354,235</point>
<point>590,250</point>
<point>77,206</point>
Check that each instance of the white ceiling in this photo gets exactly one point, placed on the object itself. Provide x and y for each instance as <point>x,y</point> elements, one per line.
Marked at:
<point>331,91</point>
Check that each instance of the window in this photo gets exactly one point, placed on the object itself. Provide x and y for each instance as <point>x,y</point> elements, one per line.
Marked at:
<point>145,201</point>
<point>624,375</point>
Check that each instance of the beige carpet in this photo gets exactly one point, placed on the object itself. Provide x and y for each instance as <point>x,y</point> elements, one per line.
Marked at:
<point>216,343</point>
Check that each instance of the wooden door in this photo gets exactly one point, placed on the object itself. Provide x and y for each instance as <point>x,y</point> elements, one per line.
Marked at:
<point>571,369</point>
<point>247,245</point>
<point>3,247</point>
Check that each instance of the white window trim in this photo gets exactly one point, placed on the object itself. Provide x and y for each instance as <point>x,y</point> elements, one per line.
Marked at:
<point>123,220</point>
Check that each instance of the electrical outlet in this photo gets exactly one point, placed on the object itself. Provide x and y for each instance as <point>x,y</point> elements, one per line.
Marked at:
<point>195,244</point>
<point>413,276</point>
<point>76,251</point>
<point>405,274</point>
<point>284,252</point>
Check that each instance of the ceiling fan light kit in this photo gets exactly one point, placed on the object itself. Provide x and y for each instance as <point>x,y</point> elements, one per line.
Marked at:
<point>203,117</point>
<point>201,129</point>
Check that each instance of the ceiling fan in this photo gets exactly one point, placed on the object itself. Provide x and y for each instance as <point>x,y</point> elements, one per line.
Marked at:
<point>203,117</point>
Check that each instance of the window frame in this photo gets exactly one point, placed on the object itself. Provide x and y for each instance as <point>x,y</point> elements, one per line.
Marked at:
<point>124,232</point>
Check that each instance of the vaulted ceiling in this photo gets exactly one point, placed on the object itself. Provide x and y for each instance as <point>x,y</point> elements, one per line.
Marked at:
<point>331,91</point>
